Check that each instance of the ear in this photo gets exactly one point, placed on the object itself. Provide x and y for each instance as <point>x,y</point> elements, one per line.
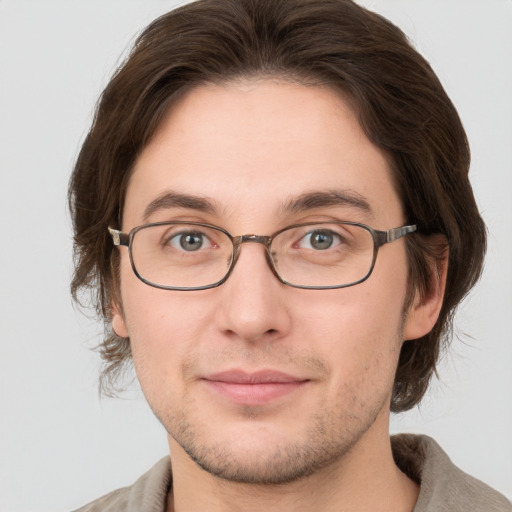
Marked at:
<point>118,321</point>
<point>424,309</point>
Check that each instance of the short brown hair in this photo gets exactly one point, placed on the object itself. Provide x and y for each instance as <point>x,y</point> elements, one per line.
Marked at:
<point>400,103</point>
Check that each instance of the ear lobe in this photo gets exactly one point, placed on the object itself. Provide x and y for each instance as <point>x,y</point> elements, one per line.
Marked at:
<point>424,310</point>
<point>118,322</point>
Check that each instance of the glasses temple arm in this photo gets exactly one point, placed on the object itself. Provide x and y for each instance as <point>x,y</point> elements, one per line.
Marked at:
<point>385,237</point>
<point>119,238</point>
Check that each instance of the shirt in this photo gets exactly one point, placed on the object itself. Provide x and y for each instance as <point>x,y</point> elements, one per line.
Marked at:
<point>443,486</point>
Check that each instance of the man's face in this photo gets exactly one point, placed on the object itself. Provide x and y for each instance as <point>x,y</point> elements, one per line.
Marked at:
<point>258,381</point>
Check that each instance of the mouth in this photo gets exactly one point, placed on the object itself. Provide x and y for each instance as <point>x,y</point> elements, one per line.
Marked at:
<point>256,388</point>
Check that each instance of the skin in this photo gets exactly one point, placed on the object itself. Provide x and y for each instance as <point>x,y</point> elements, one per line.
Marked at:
<point>250,148</point>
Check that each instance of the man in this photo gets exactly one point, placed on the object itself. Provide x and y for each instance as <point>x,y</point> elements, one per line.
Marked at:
<point>273,203</point>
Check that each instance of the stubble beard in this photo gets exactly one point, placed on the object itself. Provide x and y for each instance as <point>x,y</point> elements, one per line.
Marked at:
<point>331,435</point>
<point>283,464</point>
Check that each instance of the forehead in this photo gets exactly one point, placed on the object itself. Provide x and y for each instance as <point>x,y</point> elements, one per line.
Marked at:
<point>256,146</point>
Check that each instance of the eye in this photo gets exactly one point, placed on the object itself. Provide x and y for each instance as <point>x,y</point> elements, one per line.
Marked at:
<point>189,241</point>
<point>320,240</point>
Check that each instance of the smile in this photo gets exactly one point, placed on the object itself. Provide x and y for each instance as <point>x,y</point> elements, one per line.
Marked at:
<point>256,388</point>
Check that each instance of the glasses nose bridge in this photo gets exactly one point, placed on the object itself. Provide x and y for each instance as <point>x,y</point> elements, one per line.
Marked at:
<point>254,239</point>
<point>264,240</point>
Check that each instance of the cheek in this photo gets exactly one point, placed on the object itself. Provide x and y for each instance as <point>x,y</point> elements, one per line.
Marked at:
<point>359,329</point>
<point>162,320</point>
<point>163,326</point>
<point>162,333</point>
<point>358,317</point>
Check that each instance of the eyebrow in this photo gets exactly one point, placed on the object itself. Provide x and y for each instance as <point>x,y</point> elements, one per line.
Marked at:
<point>322,199</point>
<point>175,200</point>
<point>304,202</point>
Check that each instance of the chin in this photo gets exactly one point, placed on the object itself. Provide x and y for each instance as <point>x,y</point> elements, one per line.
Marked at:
<point>266,457</point>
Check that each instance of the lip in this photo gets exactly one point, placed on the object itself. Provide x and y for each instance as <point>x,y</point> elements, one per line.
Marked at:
<point>253,388</point>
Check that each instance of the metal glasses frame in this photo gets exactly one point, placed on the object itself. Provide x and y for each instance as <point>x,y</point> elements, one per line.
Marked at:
<point>380,238</point>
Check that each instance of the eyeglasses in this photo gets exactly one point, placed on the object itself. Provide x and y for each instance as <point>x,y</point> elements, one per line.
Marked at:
<point>195,256</point>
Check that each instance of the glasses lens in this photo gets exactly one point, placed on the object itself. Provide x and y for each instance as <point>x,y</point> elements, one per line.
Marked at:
<point>323,255</point>
<point>181,255</point>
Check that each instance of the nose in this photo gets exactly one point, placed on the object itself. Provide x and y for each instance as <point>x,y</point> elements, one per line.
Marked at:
<point>253,306</point>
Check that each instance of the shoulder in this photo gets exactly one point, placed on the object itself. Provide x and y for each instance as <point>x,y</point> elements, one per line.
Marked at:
<point>147,494</point>
<point>112,502</point>
<point>443,486</point>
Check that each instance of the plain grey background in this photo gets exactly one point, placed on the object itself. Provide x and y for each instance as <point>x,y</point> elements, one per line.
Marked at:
<point>60,445</point>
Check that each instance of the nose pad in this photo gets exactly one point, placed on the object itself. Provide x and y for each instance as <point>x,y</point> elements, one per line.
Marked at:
<point>272,264</point>
<point>258,260</point>
<point>257,239</point>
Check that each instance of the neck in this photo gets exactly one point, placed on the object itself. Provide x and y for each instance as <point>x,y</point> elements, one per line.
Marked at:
<point>365,479</point>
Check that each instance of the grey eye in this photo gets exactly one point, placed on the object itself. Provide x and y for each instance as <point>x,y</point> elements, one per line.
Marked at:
<point>188,241</point>
<point>320,239</point>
